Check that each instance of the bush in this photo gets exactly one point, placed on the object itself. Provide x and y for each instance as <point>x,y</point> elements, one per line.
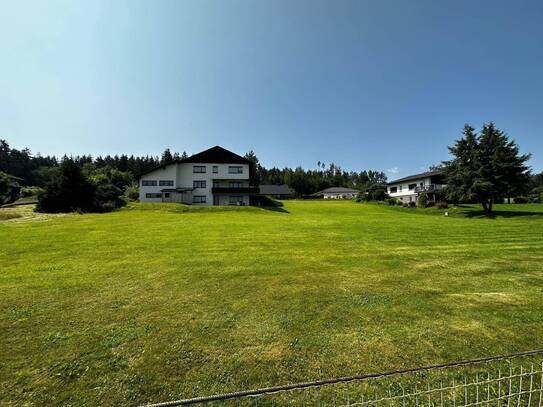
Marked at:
<point>392,201</point>
<point>423,200</point>
<point>405,205</point>
<point>107,197</point>
<point>9,189</point>
<point>521,200</point>
<point>412,205</point>
<point>67,191</point>
<point>131,193</point>
<point>30,191</point>
<point>442,205</point>
<point>430,204</point>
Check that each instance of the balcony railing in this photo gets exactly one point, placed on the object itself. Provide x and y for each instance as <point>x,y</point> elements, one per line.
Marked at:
<point>235,190</point>
<point>429,188</point>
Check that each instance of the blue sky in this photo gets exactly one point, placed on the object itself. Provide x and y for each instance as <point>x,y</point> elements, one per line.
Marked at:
<point>365,84</point>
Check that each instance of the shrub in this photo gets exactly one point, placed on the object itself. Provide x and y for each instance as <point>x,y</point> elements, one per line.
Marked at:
<point>521,200</point>
<point>423,200</point>
<point>9,189</point>
<point>430,204</point>
<point>131,193</point>
<point>442,205</point>
<point>107,197</point>
<point>405,205</point>
<point>67,191</point>
<point>392,201</point>
<point>30,191</point>
<point>412,205</point>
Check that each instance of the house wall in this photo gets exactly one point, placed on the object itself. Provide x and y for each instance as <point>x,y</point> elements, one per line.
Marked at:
<point>183,176</point>
<point>335,195</point>
<point>167,173</point>
<point>405,194</point>
<point>225,199</point>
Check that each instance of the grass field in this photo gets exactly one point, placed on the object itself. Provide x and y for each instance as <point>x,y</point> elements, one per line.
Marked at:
<point>159,302</point>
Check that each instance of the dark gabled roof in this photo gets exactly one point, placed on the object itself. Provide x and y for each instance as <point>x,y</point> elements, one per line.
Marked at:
<point>276,190</point>
<point>338,190</point>
<point>213,155</point>
<point>416,176</point>
<point>216,155</point>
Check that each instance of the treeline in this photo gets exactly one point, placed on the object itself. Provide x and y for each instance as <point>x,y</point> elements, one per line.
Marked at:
<point>306,182</point>
<point>37,170</point>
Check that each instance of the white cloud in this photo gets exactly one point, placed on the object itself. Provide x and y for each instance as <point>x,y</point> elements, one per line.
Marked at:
<point>393,170</point>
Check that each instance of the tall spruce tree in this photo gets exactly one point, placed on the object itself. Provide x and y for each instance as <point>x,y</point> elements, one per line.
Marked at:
<point>486,167</point>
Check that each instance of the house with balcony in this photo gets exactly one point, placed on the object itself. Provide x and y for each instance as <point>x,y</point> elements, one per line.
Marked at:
<point>408,189</point>
<point>212,177</point>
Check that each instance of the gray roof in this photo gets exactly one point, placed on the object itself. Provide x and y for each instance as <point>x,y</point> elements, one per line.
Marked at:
<point>339,190</point>
<point>416,176</point>
<point>276,190</point>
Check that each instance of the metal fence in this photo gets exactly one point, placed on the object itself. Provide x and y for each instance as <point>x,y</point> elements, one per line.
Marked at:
<point>504,381</point>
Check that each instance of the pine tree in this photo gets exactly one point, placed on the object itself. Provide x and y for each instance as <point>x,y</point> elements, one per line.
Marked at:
<point>486,167</point>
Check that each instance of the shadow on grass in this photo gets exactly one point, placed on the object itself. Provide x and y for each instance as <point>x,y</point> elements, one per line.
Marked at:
<point>274,209</point>
<point>500,214</point>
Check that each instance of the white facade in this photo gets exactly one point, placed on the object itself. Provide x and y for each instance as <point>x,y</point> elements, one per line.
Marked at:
<point>408,189</point>
<point>339,195</point>
<point>194,183</point>
<point>405,191</point>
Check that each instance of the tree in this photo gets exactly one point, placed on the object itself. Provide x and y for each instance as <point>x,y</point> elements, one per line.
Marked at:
<point>486,167</point>
<point>167,157</point>
<point>422,200</point>
<point>9,189</point>
<point>255,171</point>
<point>67,191</point>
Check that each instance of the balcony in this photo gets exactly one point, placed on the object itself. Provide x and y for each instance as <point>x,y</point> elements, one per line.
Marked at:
<point>429,188</point>
<point>235,190</point>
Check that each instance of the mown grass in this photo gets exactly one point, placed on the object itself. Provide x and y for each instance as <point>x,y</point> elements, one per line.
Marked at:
<point>159,302</point>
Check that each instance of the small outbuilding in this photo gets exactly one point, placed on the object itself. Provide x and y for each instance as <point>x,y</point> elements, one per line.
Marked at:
<point>338,193</point>
<point>277,191</point>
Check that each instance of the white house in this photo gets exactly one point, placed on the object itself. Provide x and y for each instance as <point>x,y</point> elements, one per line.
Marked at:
<point>213,177</point>
<point>338,193</point>
<point>407,189</point>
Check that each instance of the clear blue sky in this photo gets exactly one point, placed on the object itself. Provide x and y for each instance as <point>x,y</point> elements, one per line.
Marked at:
<point>382,84</point>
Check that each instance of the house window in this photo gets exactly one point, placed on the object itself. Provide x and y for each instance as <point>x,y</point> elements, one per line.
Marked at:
<point>235,169</point>
<point>199,169</point>
<point>235,185</point>
<point>235,200</point>
<point>215,169</point>
<point>198,184</point>
<point>148,183</point>
<point>153,195</point>
<point>166,195</point>
<point>412,186</point>
<point>199,199</point>
<point>165,183</point>
<point>400,188</point>
<point>393,190</point>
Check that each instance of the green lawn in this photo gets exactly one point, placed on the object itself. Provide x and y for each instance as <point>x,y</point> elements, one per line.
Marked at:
<point>159,302</point>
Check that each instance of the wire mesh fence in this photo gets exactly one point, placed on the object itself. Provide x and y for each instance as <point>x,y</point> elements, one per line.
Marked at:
<point>503,381</point>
